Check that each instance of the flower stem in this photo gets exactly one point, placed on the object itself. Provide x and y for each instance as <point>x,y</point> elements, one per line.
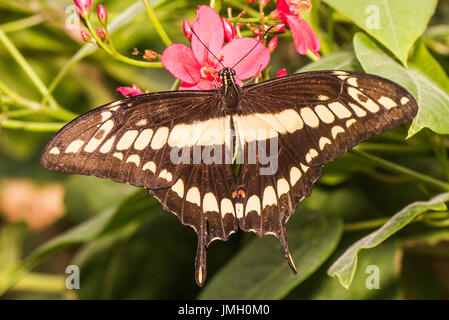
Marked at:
<point>31,126</point>
<point>157,25</point>
<point>405,171</point>
<point>27,68</point>
<point>175,85</point>
<point>22,23</point>
<point>115,54</point>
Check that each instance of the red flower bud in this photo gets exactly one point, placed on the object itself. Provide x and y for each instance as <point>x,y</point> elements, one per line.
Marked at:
<point>101,33</point>
<point>257,32</point>
<point>272,44</point>
<point>278,28</point>
<point>85,36</point>
<point>281,73</point>
<point>102,14</point>
<point>83,6</point>
<point>187,27</point>
<point>229,30</point>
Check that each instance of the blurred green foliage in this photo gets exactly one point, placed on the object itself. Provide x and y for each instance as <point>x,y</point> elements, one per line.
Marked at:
<point>128,248</point>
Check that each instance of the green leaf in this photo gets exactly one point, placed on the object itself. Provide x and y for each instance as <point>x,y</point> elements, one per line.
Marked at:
<point>259,271</point>
<point>395,24</point>
<point>126,216</point>
<point>344,268</point>
<point>433,101</point>
<point>340,60</point>
<point>385,257</point>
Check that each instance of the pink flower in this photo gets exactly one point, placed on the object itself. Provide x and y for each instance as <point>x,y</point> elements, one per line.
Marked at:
<point>303,35</point>
<point>281,73</point>
<point>83,6</point>
<point>229,30</point>
<point>129,91</point>
<point>197,68</point>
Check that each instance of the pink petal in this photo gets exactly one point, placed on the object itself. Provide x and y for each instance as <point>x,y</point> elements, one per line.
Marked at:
<point>281,73</point>
<point>252,64</point>
<point>282,7</point>
<point>209,28</point>
<point>303,35</point>
<point>202,85</point>
<point>129,91</point>
<point>179,60</point>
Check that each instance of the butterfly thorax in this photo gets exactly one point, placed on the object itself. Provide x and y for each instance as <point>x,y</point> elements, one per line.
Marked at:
<point>230,90</point>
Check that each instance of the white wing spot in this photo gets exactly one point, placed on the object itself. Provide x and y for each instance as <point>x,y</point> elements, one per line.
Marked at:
<point>127,140</point>
<point>350,122</point>
<point>404,100</point>
<point>107,146</point>
<point>141,123</point>
<point>239,209</point>
<point>336,131</point>
<point>309,117</point>
<point>143,139</point>
<point>323,97</point>
<point>105,115</point>
<point>295,175</point>
<point>323,142</point>
<point>363,100</point>
<point>134,159</point>
<point>118,155</point>
<point>74,146</point>
<point>159,138</point>
<point>282,187</point>
<point>99,136</point>
<point>324,113</point>
<point>253,204</point>
<point>340,110</point>
<point>54,150</point>
<point>150,165</point>
<point>164,174</point>
<point>311,155</point>
<point>358,111</point>
<point>387,102</point>
<point>353,82</point>
<point>269,197</point>
<point>226,206</point>
<point>210,203</point>
<point>193,196</point>
<point>178,188</point>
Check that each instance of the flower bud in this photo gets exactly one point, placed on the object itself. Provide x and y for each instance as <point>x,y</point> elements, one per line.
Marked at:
<point>257,32</point>
<point>83,6</point>
<point>272,44</point>
<point>85,36</point>
<point>101,33</point>
<point>150,55</point>
<point>278,28</point>
<point>187,27</point>
<point>229,30</point>
<point>281,73</point>
<point>102,14</point>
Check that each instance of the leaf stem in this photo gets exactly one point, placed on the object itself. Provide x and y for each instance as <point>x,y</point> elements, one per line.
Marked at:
<point>27,68</point>
<point>157,25</point>
<point>31,126</point>
<point>22,23</point>
<point>38,282</point>
<point>115,54</point>
<point>402,170</point>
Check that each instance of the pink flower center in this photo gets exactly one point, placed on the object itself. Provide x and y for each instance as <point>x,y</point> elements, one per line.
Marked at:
<point>209,70</point>
<point>299,6</point>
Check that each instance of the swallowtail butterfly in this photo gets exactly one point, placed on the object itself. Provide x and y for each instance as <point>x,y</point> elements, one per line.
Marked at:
<point>161,141</point>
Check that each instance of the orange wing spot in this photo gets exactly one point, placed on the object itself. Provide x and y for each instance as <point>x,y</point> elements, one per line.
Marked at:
<point>234,194</point>
<point>242,193</point>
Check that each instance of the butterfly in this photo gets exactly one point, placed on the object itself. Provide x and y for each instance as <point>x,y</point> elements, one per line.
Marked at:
<point>183,146</point>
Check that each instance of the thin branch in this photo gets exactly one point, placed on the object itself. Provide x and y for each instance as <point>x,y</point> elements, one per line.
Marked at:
<point>157,25</point>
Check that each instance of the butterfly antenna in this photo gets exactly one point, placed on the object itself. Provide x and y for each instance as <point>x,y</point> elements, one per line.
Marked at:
<point>263,36</point>
<point>193,31</point>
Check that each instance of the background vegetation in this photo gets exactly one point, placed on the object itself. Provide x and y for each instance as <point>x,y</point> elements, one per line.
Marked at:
<point>387,197</point>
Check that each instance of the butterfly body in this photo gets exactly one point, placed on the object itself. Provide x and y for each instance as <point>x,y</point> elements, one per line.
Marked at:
<point>182,145</point>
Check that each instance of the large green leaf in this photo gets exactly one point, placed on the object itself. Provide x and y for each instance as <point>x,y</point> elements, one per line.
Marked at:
<point>259,271</point>
<point>395,24</point>
<point>340,60</point>
<point>126,216</point>
<point>385,257</point>
<point>433,101</point>
<point>344,268</point>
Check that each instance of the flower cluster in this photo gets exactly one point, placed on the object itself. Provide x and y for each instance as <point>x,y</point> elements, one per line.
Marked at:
<point>216,42</point>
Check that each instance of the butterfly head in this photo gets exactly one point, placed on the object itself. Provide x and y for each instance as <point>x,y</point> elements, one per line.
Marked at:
<point>227,76</point>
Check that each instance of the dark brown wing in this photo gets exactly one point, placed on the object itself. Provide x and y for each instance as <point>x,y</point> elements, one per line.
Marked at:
<point>320,115</point>
<point>159,141</point>
<point>311,118</point>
